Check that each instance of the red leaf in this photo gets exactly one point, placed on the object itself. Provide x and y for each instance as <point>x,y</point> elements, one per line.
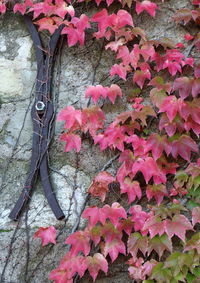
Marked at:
<point>93,214</point>
<point>113,248</point>
<point>195,215</point>
<point>139,77</point>
<point>156,191</point>
<point>96,263</point>
<point>157,144</point>
<point>113,92</point>
<point>71,117</point>
<point>138,270</point>
<point>177,226</point>
<point>47,24</point>
<point>73,264</point>
<point>184,85</point>
<point>126,225</point>
<point>95,92</point>
<point>139,217</point>
<point>76,30</point>
<point>72,141</point>
<point>188,37</point>
<point>170,105</point>
<point>99,186</point>
<point>60,275</point>
<point>183,147</point>
<point>123,19</point>
<point>114,213</point>
<point>119,70</point>
<point>80,241</point>
<point>137,242</point>
<point>132,188</point>
<point>2,8</point>
<point>154,225</point>
<point>92,119</point>
<point>149,169</point>
<point>146,5</point>
<point>47,235</point>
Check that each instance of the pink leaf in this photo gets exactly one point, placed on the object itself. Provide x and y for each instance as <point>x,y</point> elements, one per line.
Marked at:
<point>95,92</point>
<point>156,191</point>
<point>139,217</point>
<point>170,105</point>
<point>154,225</point>
<point>195,215</point>
<point>183,147</point>
<point>146,5</point>
<point>124,18</point>
<point>132,188</point>
<point>149,169</point>
<point>99,186</point>
<point>184,85</point>
<point>137,242</point>
<point>113,248</point>
<point>177,226</point>
<point>113,92</point>
<point>92,213</point>
<point>60,275</point>
<point>157,144</point>
<point>139,77</point>
<point>92,119</point>
<point>188,37</point>
<point>47,235</point>
<point>119,70</point>
<point>80,241</point>
<point>96,263</point>
<point>114,213</point>
<point>72,142</point>
<point>71,117</point>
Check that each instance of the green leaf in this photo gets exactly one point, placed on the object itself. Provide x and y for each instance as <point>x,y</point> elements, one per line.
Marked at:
<point>191,204</point>
<point>161,275</point>
<point>196,272</point>
<point>190,278</point>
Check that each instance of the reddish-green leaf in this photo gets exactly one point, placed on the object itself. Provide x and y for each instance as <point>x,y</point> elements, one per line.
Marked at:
<point>160,244</point>
<point>177,226</point>
<point>156,191</point>
<point>137,242</point>
<point>95,263</point>
<point>113,248</point>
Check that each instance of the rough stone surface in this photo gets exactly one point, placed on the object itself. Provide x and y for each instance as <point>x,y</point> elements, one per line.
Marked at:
<point>22,259</point>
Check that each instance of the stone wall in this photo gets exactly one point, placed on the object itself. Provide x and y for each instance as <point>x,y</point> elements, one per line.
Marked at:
<point>22,259</point>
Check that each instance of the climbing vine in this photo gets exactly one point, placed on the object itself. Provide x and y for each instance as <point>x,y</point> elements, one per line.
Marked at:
<point>156,142</point>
